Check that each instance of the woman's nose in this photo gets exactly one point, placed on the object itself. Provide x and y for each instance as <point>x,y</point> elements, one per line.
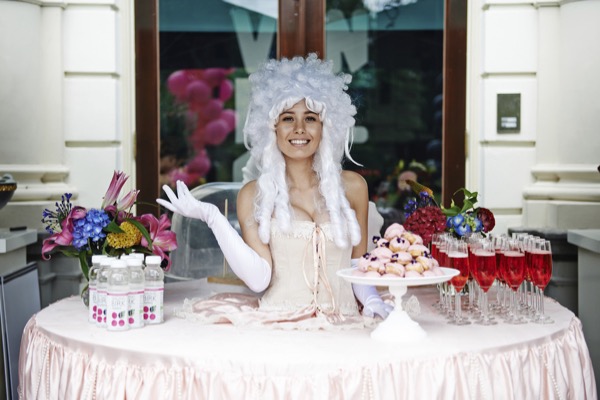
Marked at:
<point>299,128</point>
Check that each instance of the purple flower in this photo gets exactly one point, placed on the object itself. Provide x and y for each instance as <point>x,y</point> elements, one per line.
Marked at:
<point>65,236</point>
<point>54,219</point>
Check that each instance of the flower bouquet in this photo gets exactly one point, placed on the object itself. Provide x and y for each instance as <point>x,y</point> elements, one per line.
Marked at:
<point>111,230</point>
<point>424,217</point>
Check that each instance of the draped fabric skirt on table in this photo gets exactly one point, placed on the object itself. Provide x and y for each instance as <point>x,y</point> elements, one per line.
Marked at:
<point>65,357</point>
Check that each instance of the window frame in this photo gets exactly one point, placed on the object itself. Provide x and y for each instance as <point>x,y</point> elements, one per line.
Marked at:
<point>297,35</point>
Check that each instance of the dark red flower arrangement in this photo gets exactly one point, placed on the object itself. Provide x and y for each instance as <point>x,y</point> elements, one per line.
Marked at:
<point>424,217</point>
<point>425,222</point>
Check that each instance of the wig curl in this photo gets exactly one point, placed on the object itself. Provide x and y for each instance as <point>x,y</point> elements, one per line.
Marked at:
<point>276,87</point>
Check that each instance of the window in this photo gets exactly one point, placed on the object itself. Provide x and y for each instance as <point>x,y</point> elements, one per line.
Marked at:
<point>396,56</point>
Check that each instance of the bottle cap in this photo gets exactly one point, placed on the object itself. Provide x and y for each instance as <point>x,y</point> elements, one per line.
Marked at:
<point>154,260</point>
<point>138,256</point>
<point>133,262</point>
<point>107,261</point>
<point>119,264</point>
<point>97,258</point>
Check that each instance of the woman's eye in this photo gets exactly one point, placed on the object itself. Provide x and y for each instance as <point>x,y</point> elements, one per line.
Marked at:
<point>287,119</point>
<point>311,118</point>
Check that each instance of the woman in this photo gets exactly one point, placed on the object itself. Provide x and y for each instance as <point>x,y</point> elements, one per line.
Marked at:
<point>303,217</point>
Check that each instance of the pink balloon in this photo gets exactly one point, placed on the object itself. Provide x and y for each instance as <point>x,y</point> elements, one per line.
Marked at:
<point>214,76</point>
<point>195,74</point>
<point>228,116</point>
<point>216,132</point>
<point>177,83</point>
<point>211,110</point>
<point>197,139</point>
<point>190,179</point>
<point>225,90</point>
<point>198,93</point>
<point>191,120</point>
<point>200,164</point>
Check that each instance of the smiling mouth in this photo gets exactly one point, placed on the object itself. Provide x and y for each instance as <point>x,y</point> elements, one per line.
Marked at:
<point>299,142</point>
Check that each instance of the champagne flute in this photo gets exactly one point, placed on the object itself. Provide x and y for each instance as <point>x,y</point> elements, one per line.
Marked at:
<point>484,272</point>
<point>441,249</point>
<point>499,245</point>
<point>541,272</point>
<point>473,242</point>
<point>458,258</point>
<point>513,265</point>
<point>435,241</point>
<point>530,244</point>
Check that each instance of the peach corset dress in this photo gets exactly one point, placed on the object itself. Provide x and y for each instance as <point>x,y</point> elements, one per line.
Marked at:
<point>305,292</point>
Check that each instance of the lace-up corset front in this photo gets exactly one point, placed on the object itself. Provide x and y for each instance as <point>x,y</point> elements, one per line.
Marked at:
<point>305,262</point>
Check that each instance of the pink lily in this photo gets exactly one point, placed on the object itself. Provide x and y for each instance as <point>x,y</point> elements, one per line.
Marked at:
<point>162,238</point>
<point>65,236</point>
<point>116,184</point>
<point>127,201</point>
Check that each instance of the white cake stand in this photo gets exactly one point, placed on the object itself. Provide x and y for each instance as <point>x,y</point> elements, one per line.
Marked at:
<point>398,327</point>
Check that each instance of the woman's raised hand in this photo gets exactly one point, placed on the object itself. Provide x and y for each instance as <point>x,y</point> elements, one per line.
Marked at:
<point>186,204</point>
<point>243,260</point>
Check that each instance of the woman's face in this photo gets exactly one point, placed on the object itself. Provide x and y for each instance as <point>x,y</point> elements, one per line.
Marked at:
<point>298,132</point>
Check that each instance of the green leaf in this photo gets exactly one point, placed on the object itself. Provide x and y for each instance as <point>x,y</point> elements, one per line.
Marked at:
<point>70,253</point>
<point>113,227</point>
<point>84,264</point>
<point>104,247</point>
<point>142,229</point>
<point>467,205</point>
<point>452,211</point>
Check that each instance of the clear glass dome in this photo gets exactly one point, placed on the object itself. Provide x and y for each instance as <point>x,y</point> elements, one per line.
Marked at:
<point>198,254</point>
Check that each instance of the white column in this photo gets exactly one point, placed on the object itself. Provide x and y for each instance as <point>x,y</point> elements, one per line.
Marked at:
<point>501,60</point>
<point>566,189</point>
<point>31,113</point>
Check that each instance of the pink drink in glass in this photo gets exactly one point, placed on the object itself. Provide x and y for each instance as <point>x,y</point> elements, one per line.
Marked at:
<point>528,265</point>
<point>484,268</point>
<point>459,261</point>
<point>541,268</point>
<point>514,268</point>
<point>500,265</point>
<point>471,261</point>
<point>434,251</point>
<point>442,257</point>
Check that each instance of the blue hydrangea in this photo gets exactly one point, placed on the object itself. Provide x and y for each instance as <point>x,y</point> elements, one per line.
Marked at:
<point>89,228</point>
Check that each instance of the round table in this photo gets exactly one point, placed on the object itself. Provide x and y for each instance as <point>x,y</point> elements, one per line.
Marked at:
<point>65,357</point>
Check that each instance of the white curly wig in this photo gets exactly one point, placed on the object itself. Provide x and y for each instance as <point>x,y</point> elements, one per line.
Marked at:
<point>276,87</point>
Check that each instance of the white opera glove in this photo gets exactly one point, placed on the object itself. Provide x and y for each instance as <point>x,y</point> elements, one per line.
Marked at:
<point>243,260</point>
<point>370,299</point>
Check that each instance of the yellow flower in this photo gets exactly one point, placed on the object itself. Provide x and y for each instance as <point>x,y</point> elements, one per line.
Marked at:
<point>129,238</point>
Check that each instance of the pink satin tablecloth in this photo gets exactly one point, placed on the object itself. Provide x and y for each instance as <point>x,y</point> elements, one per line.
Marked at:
<point>64,357</point>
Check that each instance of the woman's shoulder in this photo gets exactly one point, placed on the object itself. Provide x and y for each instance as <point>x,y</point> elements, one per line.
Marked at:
<point>245,200</point>
<point>353,181</point>
<point>248,190</point>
